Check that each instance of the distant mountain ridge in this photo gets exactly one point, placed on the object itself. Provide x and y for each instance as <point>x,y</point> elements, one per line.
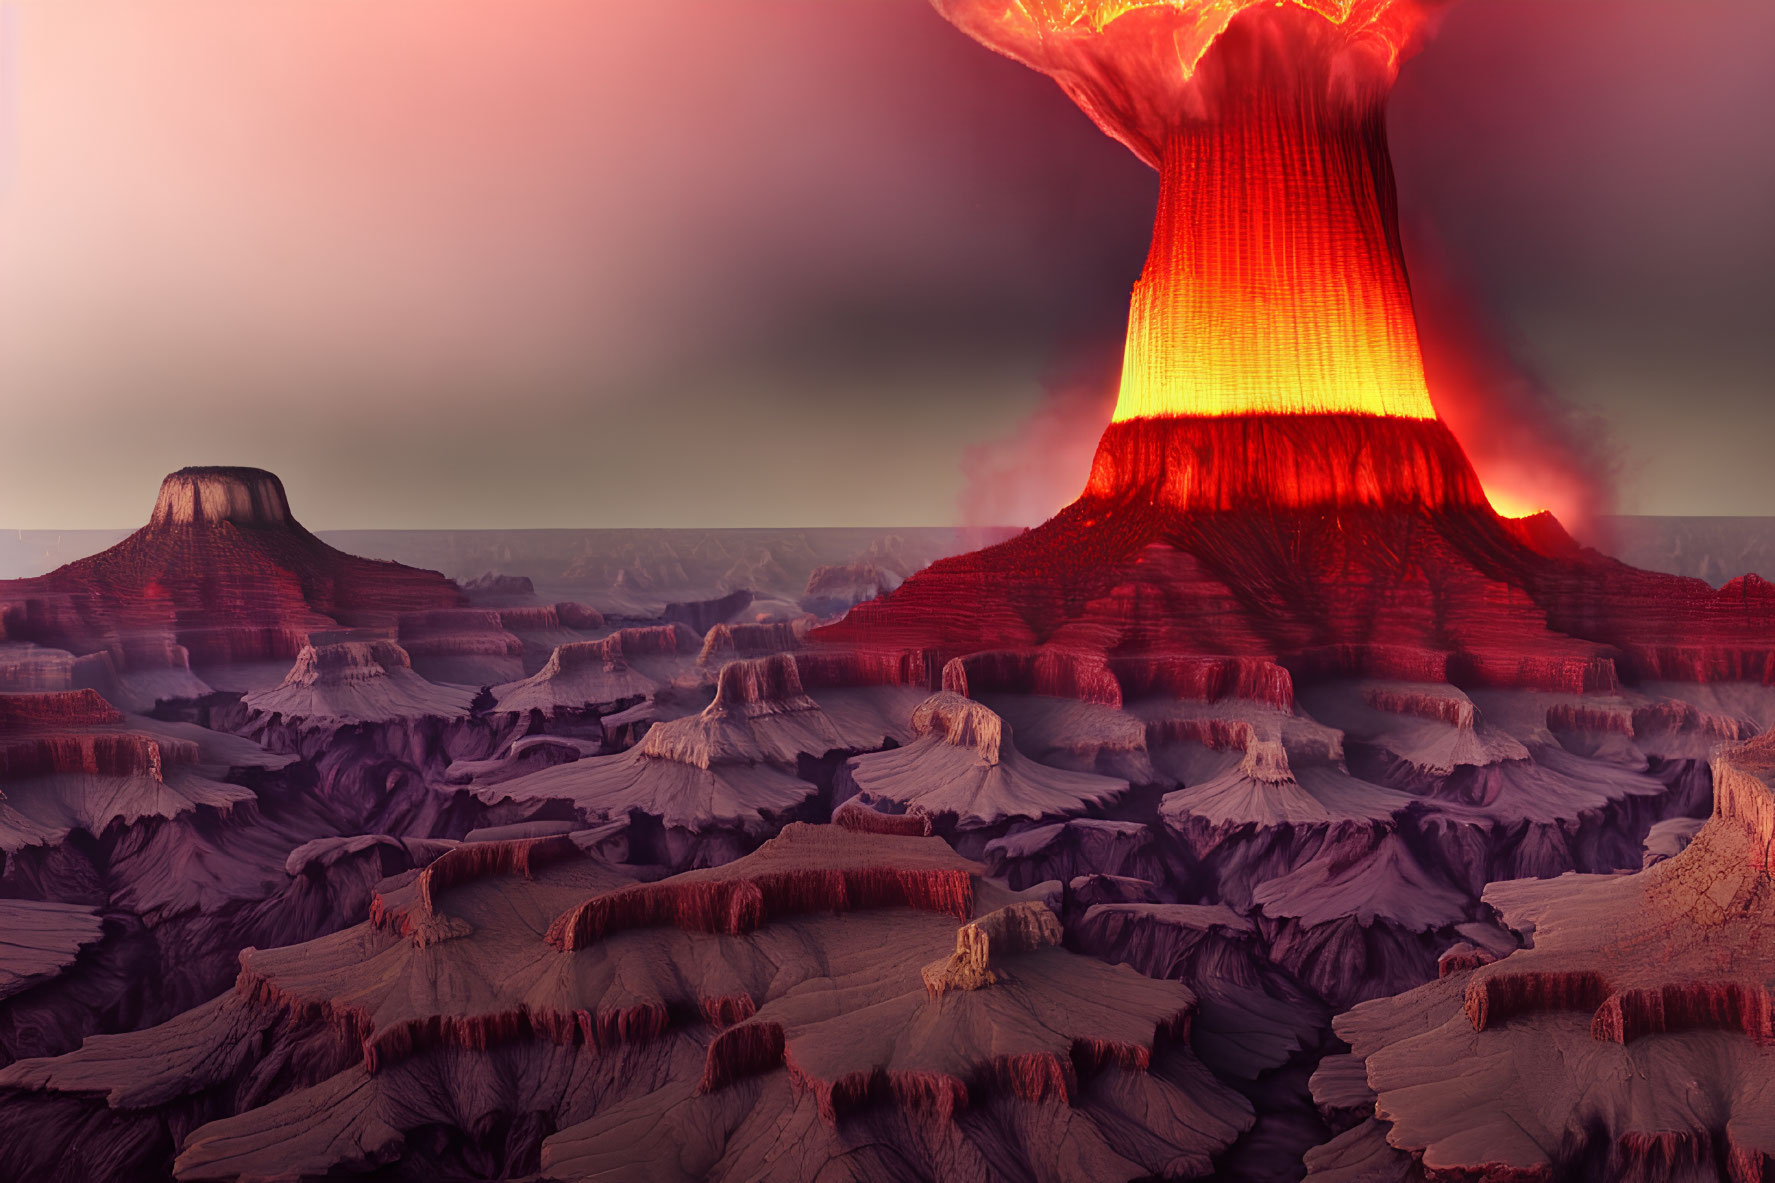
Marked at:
<point>1717,549</point>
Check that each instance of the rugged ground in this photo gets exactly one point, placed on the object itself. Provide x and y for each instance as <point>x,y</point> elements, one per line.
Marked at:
<point>321,867</point>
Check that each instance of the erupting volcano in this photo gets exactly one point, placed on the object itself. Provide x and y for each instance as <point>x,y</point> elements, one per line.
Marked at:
<point>1276,283</point>
<point>1275,486</point>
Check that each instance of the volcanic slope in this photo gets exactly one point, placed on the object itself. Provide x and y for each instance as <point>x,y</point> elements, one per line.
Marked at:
<point>836,1001</point>
<point>1275,500</point>
<point>1365,707</point>
<point>1124,595</point>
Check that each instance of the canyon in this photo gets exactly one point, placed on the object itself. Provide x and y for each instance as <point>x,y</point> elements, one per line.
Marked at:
<point>1277,810</point>
<point>1188,884</point>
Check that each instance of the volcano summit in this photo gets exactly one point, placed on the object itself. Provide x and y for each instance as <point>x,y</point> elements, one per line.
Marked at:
<point>1275,488</point>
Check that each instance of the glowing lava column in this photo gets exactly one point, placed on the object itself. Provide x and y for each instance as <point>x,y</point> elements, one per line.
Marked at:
<point>1274,300</point>
<point>1276,282</point>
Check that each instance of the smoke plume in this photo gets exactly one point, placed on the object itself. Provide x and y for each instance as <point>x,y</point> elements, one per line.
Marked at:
<point>1533,449</point>
<point>1023,478</point>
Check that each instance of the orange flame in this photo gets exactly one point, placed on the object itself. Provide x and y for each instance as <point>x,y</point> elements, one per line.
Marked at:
<point>1276,282</point>
<point>1510,505</point>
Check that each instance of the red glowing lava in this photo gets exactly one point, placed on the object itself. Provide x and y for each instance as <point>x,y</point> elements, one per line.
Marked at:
<point>1276,282</point>
<point>1276,501</point>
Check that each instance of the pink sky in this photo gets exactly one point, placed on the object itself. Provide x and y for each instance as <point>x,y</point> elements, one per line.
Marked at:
<point>551,262</point>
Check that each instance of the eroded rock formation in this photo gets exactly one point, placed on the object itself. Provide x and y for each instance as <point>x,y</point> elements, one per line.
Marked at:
<point>355,682</point>
<point>223,575</point>
<point>963,770</point>
<point>335,1055</point>
<point>622,668</point>
<point>716,782</point>
<point>1633,1030</point>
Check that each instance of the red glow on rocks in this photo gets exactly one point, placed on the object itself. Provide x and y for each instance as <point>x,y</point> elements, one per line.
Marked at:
<point>738,905</point>
<point>1217,463</point>
<point>1275,503</point>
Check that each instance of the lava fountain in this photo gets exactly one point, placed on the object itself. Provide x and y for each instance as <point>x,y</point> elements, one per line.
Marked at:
<point>1275,293</point>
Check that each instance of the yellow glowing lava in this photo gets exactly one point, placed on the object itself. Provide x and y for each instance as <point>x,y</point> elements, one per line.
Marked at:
<point>1275,284</point>
<point>1207,18</point>
<point>1302,343</point>
<point>1509,505</point>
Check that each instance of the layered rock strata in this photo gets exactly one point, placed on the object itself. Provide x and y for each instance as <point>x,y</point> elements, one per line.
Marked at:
<point>1633,1030</point>
<point>334,1056</point>
<point>963,770</point>
<point>223,575</point>
<point>715,783</point>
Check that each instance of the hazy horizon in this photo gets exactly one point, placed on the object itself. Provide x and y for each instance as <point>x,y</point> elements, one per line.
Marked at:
<point>1716,548</point>
<point>453,264</point>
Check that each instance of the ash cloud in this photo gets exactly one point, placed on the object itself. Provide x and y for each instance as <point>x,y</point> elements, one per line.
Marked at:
<point>1532,448</point>
<point>1024,478</point>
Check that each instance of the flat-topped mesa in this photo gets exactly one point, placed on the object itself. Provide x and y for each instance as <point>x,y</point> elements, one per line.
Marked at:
<point>360,681</point>
<point>222,574</point>
<point>961,723</point>
<point>962,770</point>
<point>346,663</point>
<point>713,1010</point>
<point>605,654</point>
<point>46,712</point>
<point>93,754</point>
<point>77,732</point>
<point>715,782</point>
<point>615,651</point>
<point>464,645</point>
<point>457,631</point>
<point>580,674</point>
<point>760,714</point>
<point>725,642</point>
<point>1659,984</point>
<point>212,495</point>
<point>804,870</point>
<point>760,686</point>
